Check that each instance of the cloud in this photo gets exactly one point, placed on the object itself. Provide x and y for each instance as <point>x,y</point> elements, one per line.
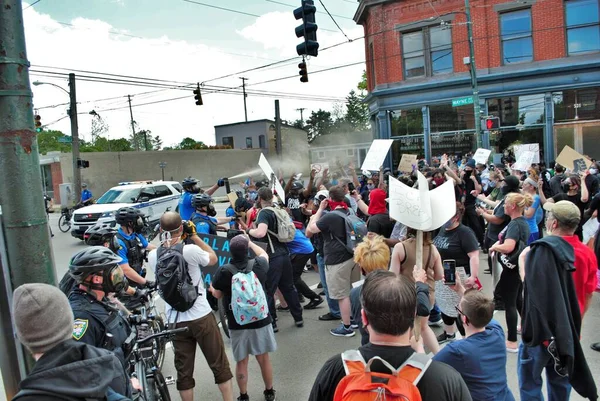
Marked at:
<point>95,45</point>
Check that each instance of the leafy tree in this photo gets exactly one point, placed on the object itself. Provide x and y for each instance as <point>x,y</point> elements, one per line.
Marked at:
<point>187,144</point>
<point>362,85</point>
<point>48,142</point>
<point>357,112</point>
<point>157,142</point>
<point>319,123</point>
<point>99,128</point>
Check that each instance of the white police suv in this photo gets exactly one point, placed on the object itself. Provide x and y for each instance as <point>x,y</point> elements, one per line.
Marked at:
<point>153,198</point>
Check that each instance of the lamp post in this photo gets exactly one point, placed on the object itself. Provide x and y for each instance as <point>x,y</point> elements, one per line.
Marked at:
<point>162,166</point>
<point>74,131</point>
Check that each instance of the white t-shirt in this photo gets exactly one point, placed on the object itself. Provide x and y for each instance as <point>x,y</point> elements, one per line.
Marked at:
<point>195,258</point>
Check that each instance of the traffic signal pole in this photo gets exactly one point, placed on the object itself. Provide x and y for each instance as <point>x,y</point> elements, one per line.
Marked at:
<point>473,69</point>
<point>28,252</point>
<point>75,137</point>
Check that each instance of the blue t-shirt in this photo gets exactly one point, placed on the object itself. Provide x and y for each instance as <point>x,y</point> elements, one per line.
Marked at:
<point>122,252</point>
<point>300,245</point>
<point>230,213</point>
<point>85,195</point>
<point>185,205</point>
<point>481,361</point>
<point>203,226</point>
<point>533,222</point>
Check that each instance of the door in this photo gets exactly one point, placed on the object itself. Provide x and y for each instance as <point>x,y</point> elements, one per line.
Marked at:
<point>164,200</point>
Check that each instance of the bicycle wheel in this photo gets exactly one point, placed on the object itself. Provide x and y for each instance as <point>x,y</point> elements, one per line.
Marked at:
<point>64,224</point>
<point>140,370</point>
<point>159,344</point>
<point>161,386</point>
<point>223,318</point>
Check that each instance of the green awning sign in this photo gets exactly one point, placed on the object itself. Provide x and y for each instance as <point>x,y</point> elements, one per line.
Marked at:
<point>463,101</point>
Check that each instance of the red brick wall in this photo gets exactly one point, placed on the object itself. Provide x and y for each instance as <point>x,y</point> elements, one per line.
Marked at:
<point>547,25</point>
<point>57,179</point>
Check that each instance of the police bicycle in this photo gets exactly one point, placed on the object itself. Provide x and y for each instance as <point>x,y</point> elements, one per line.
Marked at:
<point>64,222</point>
<point>154,386</point>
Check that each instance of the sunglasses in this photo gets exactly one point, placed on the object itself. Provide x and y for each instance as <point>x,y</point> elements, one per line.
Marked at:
<point>461,313</point>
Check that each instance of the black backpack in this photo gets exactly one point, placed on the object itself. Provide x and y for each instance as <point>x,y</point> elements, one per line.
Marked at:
<point>173,278</point>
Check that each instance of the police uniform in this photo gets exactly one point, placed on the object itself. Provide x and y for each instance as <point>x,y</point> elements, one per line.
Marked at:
<point>204,224</point>
<point>100,324</point>
<point>132,250</point>
<point>185,205</point>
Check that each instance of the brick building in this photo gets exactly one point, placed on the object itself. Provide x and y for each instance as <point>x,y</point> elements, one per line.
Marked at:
<point>538,68</point>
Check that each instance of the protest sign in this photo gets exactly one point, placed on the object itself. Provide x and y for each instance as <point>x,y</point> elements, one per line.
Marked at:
<point>266,168</point>
<point>376,155</point>
<point>525,161</point>
<point>567,158</point>
<point>528,147</point>
<point>498,158</point>
<point>408,163</point>
<point>319,168</point>
<point>482,156</point>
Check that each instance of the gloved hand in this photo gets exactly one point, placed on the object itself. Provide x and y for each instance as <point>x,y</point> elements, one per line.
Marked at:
<point>189,229</point>
<point>221,182</point>
<point>150,284</point>
<point>141,294</point>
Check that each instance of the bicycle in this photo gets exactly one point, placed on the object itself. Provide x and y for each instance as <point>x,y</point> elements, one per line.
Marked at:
<point>64,222</point>
<point>154,386</point>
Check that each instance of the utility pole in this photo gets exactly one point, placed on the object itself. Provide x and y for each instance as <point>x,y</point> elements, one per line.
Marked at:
<point>75,138</point>
<point>245,96</point>
<point>301,110</point>
<point>277,129</point>
<point>137,147</point>
<point>25,251</point>
<point>473,69</point>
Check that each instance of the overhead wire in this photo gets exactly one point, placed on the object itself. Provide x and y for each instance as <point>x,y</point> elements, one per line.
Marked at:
<point>319,12</point>
<point>32,4</point>
<point>334,21</point>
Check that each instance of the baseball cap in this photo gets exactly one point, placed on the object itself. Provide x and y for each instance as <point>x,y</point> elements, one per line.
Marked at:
<point>564,211</point>
<point>512,182</point>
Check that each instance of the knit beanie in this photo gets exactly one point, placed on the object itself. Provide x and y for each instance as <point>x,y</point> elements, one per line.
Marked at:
<point>42,315</point>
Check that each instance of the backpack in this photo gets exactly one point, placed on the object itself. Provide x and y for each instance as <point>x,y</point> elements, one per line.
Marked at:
<point>248,300</point>
<point>360,384</point>
<point>30,393</point>
<point>173,278</point>
<point>286,230</point>
<point>212,226</point>
<point>356,230</point>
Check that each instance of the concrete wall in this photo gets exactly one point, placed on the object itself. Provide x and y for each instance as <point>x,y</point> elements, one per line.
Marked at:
<point>108,168</point>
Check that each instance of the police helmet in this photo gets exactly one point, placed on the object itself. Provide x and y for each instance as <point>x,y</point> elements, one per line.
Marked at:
<point>262,183</point>
<point>100,234</point>
<point>189,182</point>
<point>127,215</point>
<point>297,185</point>
<point>201,200</point>
<point>92,260</point>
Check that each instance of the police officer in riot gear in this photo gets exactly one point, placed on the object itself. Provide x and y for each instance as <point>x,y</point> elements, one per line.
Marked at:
<point>132,246</point>
<point>97,322</point>
<point>204,216</point>
<point>190,188</point>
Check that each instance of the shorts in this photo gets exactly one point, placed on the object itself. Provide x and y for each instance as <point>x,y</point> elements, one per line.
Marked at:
<point>252,342</point>
<point>205,333</point>
<point>340,278</point>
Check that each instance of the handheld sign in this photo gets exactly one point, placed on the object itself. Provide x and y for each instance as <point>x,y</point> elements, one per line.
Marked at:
<point>482,156</point>
<point>407,163</point>
<point>319,168</point>
<point>525,160</point>
<point>266,168</point>
<point>528,147</point>
<point>376,155</point>
<point>568,156</point>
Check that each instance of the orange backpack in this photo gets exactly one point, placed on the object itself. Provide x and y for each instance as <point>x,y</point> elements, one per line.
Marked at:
<point>360,384</point>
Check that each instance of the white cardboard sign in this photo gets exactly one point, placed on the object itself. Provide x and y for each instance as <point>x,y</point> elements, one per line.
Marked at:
<point>482,156</point>
<point>528,147</point>
<point>525,160</point>
<point>408,163</point>
<point>266,168</point>
<point>421,209</point>
<point>376,155</point>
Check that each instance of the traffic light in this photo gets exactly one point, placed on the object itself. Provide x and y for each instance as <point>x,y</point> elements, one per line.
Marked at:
<point>303,72</point>
<point>492,123</point>
<point>198,96</point>
<point>83,163</point>
<point>38,123</point>
<point>308,29</point>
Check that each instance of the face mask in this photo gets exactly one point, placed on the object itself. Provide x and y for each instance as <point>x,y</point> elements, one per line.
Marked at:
<point>438,181</point>
<point>138,226</point>
<point>334,182</point>
<point>468,173</point>
<point>113,281</point>
<point>370,187</point>
<point>492,184</point>
<point>566,187</point>
<point>593,171</point>
<point>252,195</point>
<point>211,210</point>
<point>505,190</point>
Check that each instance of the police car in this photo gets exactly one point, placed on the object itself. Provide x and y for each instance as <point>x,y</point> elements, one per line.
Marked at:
<point>153,198</point>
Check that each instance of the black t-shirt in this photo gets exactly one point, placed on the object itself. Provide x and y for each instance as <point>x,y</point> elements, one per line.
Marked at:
<point>592,184</point>
<point>268,217</point>
<point>456,244</point>
<point>517,230</point>
<point>381,224</point>
<point>440,382</point>
<point>494,229</point>
<point>576,199</point>
<point>333,228</point>
<point>293,203</point>
<point>470,186</point>
<point>595,205</point>
<point>222,282</point>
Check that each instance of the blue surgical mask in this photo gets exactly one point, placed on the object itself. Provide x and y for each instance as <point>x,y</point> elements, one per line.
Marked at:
<point>370,187</point>
<point>492,184</point>
<point>252,195</point>
<point>334,182</point>
<point>593,171</point>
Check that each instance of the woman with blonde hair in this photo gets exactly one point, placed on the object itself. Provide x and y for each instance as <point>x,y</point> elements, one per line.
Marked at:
<point>511,241</point>
<point>534,213</point>
<point>404,258</point>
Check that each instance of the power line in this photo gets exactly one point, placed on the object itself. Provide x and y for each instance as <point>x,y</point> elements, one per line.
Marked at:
<point>32,4</point>
<point>109,31</point>
<point>320,12</point>
<point>334,21</point>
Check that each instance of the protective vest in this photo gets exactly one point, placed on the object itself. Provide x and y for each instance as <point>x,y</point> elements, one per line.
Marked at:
<point>135,252</point>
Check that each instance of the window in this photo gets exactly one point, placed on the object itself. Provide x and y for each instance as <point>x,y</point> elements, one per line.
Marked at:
<point>583,26</point>
<point>515,27</point>
<point>427,52</point>
<point>577,104</point>
<point>262,142</point>
<point>147,192</point>
<point>228,141</point>
<point>372,63</point>
<point>162,190</point>
<point>321,155</point>
<point>178,187</point>
<point>249,142</point>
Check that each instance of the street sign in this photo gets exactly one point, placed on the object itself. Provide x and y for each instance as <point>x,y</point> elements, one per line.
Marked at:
<point>463,101</point>
<point>162,164</point>
<point>65,139</point>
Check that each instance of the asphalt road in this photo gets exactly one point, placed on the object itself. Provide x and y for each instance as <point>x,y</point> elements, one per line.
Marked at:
<point>302,351</point>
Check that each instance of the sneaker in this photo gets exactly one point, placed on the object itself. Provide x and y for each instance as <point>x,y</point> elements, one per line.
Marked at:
<point>512,347</point>
<point>314,303</point>
<point>301,299</point>
<point>595,347</point>
<point>437,323</point>
<point>275,328</point>
<point>283,308</point>
<point>269,395</point>
<point>329,317</point>
<point>243,397</point>
<point>342,331</point>
<point>320,285</point>
<point>353,326</point>
<point>299,323</point>
<point>322,293</point>
<point>445,337</point>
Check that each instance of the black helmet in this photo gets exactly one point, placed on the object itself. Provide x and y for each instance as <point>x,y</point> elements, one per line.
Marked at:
<point>262,183</point>
<point>100,234</point>
<point>92,260</point>
<point>189,182</point>
<point>127,215</point>
<point>297,185</point>
<point>201,200</point>
<point>242,205</point>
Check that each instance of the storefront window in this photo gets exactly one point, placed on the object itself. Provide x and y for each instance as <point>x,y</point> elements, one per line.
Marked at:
<point>444,118</point>
<point>591,141</point>
<point>518,110</point>
<point>406,122</point>
<point>565,136</point>
<point>412,145</point>
<point>457,144</point>
<point>577,104</point>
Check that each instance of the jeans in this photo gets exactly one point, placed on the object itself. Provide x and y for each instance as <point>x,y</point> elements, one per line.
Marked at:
<point>298,263</point>
<point>532,360</point>
<point>435,315</point>
<point>280,276</point>
<point>334,307</point>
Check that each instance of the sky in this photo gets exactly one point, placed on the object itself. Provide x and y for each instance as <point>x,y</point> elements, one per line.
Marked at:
<point>176,40</point>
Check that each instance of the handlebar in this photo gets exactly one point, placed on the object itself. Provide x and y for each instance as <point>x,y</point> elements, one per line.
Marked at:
<point>165,333</point>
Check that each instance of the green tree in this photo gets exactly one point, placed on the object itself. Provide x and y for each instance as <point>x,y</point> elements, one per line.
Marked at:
<point>362,85</point>
<point>157,142</point>
<point>357,112</point>
<point>48,142</point>
<point>319,123</point>
<point>190,144</point>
